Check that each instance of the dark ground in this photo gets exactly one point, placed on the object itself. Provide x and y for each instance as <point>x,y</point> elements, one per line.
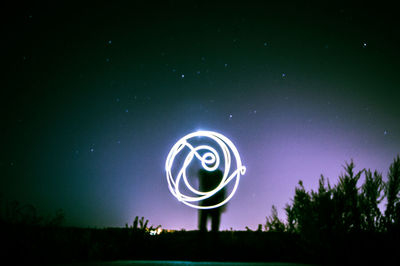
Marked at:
<point>180,263</point>
<point>46,245</point>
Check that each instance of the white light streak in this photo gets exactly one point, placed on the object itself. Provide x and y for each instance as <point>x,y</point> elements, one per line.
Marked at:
<point>210,161</point>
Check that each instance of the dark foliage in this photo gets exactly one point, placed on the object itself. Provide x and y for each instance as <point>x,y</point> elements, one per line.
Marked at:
<point>335,224</point>
<point>392,189</point>
<point>17,214</point>
<point>341,221</point>
<point>371,196</point>
<point>346,207</point>
<point>273,223</point>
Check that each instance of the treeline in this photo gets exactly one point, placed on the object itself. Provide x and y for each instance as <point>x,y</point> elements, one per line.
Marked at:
<point>349,222</point>
<point>336,224</point>
<point>15,213</point>
<point>346,207</point>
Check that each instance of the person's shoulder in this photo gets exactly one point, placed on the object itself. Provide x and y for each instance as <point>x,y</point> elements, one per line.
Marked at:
<point>202,171</point>
<point>218,172</point>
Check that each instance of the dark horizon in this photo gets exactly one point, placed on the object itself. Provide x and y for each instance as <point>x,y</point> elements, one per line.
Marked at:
<point>95,97</point>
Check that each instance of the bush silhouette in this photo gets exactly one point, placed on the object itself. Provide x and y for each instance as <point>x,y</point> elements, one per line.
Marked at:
<point>338,224</point>
<point>344,208</point>
<point>392,189</point>
<point>15,213</point>
<point>371,196</point>
<point>273,223</point>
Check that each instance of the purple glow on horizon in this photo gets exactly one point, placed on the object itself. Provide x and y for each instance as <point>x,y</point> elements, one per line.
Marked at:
<point>90,107</point>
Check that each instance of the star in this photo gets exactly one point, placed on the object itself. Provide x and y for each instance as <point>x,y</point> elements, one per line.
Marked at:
<point>91,150</point>
<point>182,76</point>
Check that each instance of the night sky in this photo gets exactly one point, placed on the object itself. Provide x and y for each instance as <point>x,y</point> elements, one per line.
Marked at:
<point>93,98</point>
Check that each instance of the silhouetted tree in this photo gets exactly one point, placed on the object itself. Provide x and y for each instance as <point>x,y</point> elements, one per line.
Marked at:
<point>311,213</point>
<point>259,228</point>
<point>140,224</point>
<point>143,224</point>
<point>20,214</point>
<point>301,210</point>
<point>346,201</point>
<point>58,219</point>
<point>345,207</point>
<point>323,207</point>
<point>15,213</point>
<point>392,188</point>
<point>291,225</point>
<point>371,196</point>
<point>273,223</point>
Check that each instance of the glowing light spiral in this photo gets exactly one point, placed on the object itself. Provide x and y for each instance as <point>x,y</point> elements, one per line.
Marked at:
<point>210,161</point>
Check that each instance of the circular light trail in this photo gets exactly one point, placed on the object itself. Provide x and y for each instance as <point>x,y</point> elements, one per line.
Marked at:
<point>210,161</point>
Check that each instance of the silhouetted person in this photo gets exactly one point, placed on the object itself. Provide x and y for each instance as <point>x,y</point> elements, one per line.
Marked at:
<point>209,181</point>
